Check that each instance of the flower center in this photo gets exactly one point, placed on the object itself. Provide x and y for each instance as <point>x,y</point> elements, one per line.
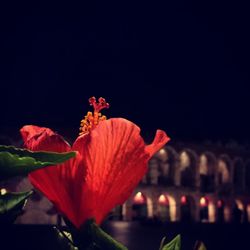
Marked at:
<point>92,119</point>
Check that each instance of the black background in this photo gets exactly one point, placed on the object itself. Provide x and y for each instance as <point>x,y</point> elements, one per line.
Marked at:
<point>182,66</point>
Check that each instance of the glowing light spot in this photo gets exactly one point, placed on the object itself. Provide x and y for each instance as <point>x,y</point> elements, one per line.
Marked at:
<point>240,205</point>
<point>203,202</point>
<point>162,154</point>
<point>3,191</point>
<point>162,151</point>
<point>163,200</point>
<point>223,170</point>
<point>183,200</point>
<point>211,212</point>
<point>184,160</point>
<point>139,198</point>
<point>219,203</point>
<point>203,165</point>
<point>150,209</point>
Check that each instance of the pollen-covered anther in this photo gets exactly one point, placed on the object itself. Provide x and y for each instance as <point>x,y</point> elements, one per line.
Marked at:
<point>103,118</point>
<point>91,120</point>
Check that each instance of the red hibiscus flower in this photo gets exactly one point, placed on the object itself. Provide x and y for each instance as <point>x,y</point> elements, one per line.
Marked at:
<point>112,158</point>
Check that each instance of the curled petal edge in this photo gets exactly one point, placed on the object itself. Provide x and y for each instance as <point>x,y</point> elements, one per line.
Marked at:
<point>161,138</point>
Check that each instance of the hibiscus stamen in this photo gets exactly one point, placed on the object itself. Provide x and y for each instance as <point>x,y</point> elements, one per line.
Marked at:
<point>91,120</point>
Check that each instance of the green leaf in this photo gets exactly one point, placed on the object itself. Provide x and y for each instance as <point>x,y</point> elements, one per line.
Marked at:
<point>174,244</point>
<point>199,245</point>
<point>104,240</point>
<point>162,243</point>
<point>11,205</point>
<point>64,240</point>
<point>91,237</point>
<point>16,161</point>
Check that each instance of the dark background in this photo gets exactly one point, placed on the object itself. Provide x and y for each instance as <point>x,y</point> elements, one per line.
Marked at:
<point>182,66</point>
<point>134,236</point>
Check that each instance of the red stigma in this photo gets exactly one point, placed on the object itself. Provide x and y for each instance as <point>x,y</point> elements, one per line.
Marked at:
<point>98,106</point>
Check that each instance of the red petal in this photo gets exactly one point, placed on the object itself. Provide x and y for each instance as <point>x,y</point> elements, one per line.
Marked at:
<point>30,131</point>
<point>54,181</point>
<point>160,140</point>
<point>115,160</point>
<point>40,138</point>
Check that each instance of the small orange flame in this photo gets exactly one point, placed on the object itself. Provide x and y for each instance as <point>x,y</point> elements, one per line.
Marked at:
<point>139,198</point>
<point>163,200</point>
<point>203,202</point>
